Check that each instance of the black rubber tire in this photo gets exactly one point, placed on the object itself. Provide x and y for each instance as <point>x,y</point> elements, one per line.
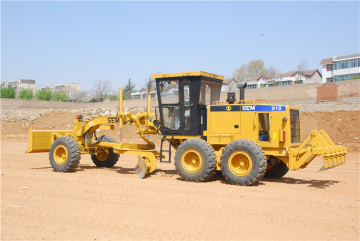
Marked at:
<point>72,148</point>
<point>258,162</point>
<point>208,160</point>
<point>219,172</point>
<point>112,159</point>
<point>278,171</point>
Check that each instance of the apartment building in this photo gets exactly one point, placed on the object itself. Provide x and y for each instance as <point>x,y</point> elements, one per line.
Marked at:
<point>340,68</point>
<point>20,84</point>
<point>72,90</point>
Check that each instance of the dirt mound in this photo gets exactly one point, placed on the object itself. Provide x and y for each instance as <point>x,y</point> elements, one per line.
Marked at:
<point>342,126</point>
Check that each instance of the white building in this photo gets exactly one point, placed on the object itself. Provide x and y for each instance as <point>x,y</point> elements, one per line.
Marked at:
<point>139,95</point>
<point>256,82</point>
<point>340,68</point>
<point>229,84</point>
<point>306,77</point>
<point>20,84</point>
<point>72,90</point>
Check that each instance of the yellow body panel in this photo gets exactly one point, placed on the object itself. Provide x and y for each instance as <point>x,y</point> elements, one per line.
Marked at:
<point>192,73</point>
<point>41,140</point>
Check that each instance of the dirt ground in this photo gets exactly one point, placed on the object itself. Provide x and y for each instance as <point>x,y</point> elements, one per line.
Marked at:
<point>108,204</point>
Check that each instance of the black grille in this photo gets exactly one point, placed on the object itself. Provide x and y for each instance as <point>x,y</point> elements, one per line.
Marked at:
<point>295,126</point>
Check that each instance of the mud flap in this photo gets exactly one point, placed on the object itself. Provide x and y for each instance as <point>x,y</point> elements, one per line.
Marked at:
<point>141,168</point>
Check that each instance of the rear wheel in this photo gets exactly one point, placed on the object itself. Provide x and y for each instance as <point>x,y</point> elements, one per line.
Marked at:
<point>105,157</point>
<point>243,162</point>
<point>195,160</point>
<point>64,154</point>
<point>277,171</point>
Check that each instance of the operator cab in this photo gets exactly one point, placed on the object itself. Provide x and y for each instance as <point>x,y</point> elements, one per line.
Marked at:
<point>183,98</point>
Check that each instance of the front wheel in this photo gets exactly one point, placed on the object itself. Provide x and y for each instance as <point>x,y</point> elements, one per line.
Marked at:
<point>195,160</point>
<point>64,154</point>
<point>105,157</point>
<point>243,162</point>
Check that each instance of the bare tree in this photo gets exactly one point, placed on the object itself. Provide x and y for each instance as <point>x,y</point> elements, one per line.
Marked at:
<point>252,69</point>
<point>303,66</point>
<point>82,96</point>
<point>101,89</point>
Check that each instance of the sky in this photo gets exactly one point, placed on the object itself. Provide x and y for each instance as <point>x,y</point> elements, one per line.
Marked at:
<point>81,42</point>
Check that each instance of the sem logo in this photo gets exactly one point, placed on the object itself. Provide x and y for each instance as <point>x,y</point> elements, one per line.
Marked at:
<point>248,107</point>
<point>228,108</point>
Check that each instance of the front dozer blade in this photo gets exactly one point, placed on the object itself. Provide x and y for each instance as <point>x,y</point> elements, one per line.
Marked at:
<point>141,168</point>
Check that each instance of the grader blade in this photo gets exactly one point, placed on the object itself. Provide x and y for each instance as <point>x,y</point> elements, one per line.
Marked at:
<point>141,168</point>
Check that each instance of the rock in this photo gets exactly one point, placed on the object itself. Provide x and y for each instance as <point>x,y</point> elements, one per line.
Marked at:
<point>356,138</point>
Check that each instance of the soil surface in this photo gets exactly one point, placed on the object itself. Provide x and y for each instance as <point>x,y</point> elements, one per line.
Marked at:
<point>113,203</point>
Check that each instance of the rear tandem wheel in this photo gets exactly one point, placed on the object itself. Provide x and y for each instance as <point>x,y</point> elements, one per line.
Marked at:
<point>243,162</point>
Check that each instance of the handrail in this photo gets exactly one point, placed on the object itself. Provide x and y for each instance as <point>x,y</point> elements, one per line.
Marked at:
<point>240,102</point>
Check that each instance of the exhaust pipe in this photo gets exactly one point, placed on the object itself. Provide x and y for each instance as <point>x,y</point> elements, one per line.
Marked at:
<point>241,87</point>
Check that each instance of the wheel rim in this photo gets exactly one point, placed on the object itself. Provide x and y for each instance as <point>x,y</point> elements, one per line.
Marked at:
<point>60,154</point>
<point>191,161</point>
<point>240,163</point>
<point>102,155</point>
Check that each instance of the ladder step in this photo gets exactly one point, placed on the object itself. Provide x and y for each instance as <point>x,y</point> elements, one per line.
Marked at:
<point>169,151</point>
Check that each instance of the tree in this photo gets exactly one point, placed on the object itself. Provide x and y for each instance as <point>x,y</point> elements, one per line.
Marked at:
<point>58,96</point>
<point>129,88</point>
<point>7,92</point>
<point>83,95</point>
<point>302,66</point>
<point>26,94</point>
<point>113,97</point>
<point>253,69</point>
<point>44,95</point>
<point>148,82</point>
<point>101,89</point>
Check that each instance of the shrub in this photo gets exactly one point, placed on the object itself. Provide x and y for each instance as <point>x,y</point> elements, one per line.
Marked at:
<point>93,100</point>
<point>58,96</point>
<point>113,97</point>
<point>26,94</point>
<point>7,92</point>
<point>44,95</point>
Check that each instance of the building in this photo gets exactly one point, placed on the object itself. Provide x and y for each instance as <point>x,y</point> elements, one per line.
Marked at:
<point>256,82</point>
<point>139,95</point>
<point>20,84</point>
<point>305,77</point>
<point>340,68</point>
<point>229,84</point>
<point>72,90</point>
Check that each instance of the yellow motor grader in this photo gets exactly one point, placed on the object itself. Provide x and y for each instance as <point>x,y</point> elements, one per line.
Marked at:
<point>245,140</point>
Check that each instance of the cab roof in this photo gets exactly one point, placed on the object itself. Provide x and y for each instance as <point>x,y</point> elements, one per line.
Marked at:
<point>193,73</point>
